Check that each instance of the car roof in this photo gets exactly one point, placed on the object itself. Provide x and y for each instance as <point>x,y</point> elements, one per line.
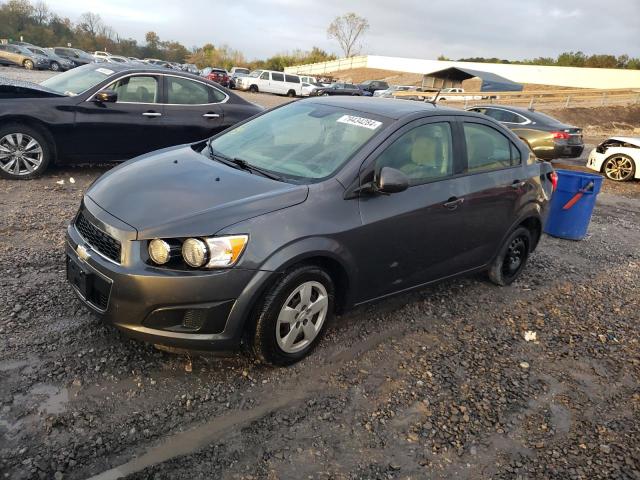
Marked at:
<point>632,140</point>
<point>391,108</point>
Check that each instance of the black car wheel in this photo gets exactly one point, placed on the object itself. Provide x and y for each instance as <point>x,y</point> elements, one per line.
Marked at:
<point>28,64</point>
<point>292,316</point>
<point>291,93</point>
<point>55,66</point>
<point>24,152</point>
<point>512,258</point>
<point>253,89</point>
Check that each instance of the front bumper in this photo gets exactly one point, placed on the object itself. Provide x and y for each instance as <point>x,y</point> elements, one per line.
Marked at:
<point>201,310</point>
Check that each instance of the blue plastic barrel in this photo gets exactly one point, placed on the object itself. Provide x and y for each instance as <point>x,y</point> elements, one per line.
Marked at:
<point>572,204</point>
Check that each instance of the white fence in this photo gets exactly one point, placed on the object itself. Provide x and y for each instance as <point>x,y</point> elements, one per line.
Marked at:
<point>603,78</point>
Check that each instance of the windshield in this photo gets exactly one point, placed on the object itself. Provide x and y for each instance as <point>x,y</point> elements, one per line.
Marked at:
<point>77,80</point>
<point>302,141</point>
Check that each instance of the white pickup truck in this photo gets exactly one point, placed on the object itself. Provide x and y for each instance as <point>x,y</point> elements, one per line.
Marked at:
<point>456,98</point>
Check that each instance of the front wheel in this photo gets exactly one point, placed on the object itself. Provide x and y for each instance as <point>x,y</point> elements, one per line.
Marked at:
<point>28,64</point>
<point>619,168</point>
<point>24,152</point>
<point>292,316</point>
<point>55,66</point>
<point>511,260</point>
<point>253,89</point>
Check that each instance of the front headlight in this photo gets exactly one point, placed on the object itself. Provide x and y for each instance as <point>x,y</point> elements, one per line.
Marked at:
<point>211,252</point>
<point>225,251</point>
<point>195,252</point>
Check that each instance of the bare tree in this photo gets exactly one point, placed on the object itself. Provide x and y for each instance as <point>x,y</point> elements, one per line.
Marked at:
<point>90,23</point>
<point>41,12</point>
<point>346,30</point>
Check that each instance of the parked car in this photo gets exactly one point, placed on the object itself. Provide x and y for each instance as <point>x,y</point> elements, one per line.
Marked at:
<point>270,81</point>
<point>108,112</point>
<point>191,68</point>
<point>546,136</point>
<point>445,95</point>
<point>157,62</point>
<point>101,55</point>
<point>218,75</point>
<point>116,59</point>
<point>21,56</point>
<point>23,44</point>
<point>371,86</point>
<point>234,78</point>
<point>262,233</point>
<point>235,70</point>
<point>77,56</point>
<point>309,89</point>
<point>388,93</point>
<point>56,63</point>
<point>617,157</point>
<point>308,79</point>
<point>338,88</point>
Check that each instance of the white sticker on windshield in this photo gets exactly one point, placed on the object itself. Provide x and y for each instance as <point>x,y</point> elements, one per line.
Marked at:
<point>359,121</point>
<point>105,71</point>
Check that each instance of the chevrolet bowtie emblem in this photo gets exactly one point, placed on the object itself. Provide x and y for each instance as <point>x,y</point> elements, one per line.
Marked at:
<point>82,252</point>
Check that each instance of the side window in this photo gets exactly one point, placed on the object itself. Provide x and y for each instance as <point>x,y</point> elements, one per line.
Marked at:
<point>264,76</point>
<point>292,79</point>
<point>277,77</point>
<point>136,89</point>
<point>182,91</point>
<point>515,155</point>
<point>424,153</point>
<point>487,149</point>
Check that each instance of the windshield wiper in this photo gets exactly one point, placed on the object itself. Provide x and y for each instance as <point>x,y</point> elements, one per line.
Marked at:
<point>240,164</point>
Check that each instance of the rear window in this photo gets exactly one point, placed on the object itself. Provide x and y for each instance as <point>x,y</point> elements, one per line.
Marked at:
<point>278,77</point>
<point>292,78</point>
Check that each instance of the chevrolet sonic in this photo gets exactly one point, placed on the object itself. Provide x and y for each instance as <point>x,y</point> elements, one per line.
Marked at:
<point>258,235</point>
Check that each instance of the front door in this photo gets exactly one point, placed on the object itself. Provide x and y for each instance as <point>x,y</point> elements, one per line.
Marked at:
<point>128,127</point>
<point>415,236</point>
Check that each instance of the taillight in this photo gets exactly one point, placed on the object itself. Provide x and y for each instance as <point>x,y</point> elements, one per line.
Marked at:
<point>560,135</point>
<point>553,176</point>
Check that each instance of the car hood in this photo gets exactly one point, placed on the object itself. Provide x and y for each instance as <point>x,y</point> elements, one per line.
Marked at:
<point>178,192</point>
<point>21,89</point>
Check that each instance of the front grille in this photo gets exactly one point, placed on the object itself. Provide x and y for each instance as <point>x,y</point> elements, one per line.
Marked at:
<point>99,240</point>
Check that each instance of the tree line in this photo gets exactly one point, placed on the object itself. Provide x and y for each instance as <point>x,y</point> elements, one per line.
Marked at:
<point>566,59</point>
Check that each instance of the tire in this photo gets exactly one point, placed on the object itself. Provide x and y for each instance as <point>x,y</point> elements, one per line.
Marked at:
<point>291,93</point>
<point>619,167</point>
<point>20,162</point>
<point>55,67</point>
<point>284,328</point>
<point>28,64</point>
<point>507,267</point>
<point>253,89</point>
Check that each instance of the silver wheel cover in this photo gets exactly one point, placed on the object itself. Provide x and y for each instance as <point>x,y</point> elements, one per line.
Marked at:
<point>301,317</point>
<point>20,154</point>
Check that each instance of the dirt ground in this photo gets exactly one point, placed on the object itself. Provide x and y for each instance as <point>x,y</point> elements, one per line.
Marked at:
<point>461,380</point>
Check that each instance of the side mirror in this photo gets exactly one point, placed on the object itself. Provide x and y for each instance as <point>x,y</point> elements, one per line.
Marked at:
<point>391,180</point>
<point>106,96</point>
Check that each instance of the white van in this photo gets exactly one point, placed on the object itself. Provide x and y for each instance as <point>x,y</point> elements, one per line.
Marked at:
<point>270,81</point>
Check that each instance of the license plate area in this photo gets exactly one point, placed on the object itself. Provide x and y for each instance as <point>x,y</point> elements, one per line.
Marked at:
<point>93,289</point>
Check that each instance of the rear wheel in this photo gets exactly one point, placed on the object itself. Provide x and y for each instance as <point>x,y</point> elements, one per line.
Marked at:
<point>291,93</point>
<point>253,89</point>
<point>511,260</point>
<point>55,66</point>
<point>619,168</point>
<point>28,64</point>
<point>24,152</point>
<point>292,316</point>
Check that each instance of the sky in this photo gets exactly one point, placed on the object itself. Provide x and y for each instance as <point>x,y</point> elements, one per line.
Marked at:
<point>511,29</point>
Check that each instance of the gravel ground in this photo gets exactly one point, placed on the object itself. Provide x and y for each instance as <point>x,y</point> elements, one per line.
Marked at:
<point>439,383</point>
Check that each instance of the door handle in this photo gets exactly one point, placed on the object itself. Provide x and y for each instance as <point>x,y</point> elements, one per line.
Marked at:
<point>211,115</point>
<point>517,184</point>
<point>453,203</point>
<point>151,114</point>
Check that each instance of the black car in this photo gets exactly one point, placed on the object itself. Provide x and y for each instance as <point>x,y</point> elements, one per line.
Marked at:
<point>547,137</point>
<point>371,86</point>
<point>57,63</point>
<point>338,89</point>
<point>262,233</point>
<point>108,112</point>
<point>75,55</point>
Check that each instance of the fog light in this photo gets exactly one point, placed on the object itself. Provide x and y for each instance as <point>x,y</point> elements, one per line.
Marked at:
<point>194,319</point>
<point>195,252</point>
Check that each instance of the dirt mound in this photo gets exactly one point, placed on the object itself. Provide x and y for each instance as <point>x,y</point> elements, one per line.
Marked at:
<point>619,118</point>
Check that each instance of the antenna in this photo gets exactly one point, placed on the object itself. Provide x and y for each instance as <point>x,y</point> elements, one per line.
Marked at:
<point>435,98</point>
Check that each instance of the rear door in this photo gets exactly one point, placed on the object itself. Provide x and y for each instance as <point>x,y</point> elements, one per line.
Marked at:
<point>418,235</point>
<point>192,110</point>
<point>494,182</point>
<point>129,127</point>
